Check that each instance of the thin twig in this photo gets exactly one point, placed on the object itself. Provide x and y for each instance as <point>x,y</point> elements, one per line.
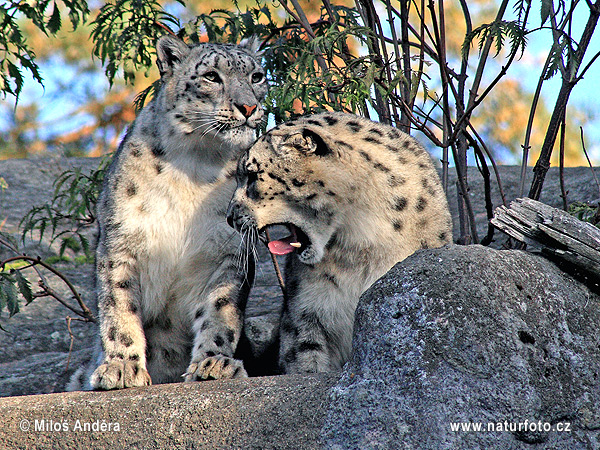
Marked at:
<point>588,160</point>
<point>494,165</point>
<point>561,166</point>
<point>72,336</point>
<point>277,270</point>
<point>47,291</point>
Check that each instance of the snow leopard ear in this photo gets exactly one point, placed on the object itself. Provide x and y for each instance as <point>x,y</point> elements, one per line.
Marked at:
<point>170,51</point>
<point>308,141</point>
<point>252,44</point>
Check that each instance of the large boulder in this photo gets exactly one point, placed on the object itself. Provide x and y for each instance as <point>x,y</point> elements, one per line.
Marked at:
<point>467,337</point>
<point>269,413</point>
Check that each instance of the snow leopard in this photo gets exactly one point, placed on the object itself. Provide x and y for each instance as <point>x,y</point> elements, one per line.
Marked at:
<point>356,197</point>
<point>171,292</point>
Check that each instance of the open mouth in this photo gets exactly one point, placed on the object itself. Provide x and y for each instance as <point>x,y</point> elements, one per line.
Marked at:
<point>297,240</point>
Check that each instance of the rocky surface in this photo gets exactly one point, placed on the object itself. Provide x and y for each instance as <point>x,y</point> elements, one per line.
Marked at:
<point>471,335</point>
<point>257,414</point>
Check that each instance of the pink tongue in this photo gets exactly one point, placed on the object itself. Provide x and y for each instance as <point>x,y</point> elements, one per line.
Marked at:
<point>282,247</point>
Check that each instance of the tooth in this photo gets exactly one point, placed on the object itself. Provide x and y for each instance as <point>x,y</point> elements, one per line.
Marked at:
<point>296,244</point>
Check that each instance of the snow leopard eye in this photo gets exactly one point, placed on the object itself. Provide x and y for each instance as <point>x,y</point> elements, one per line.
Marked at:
<point>212,76</point>
<point>257,77</point>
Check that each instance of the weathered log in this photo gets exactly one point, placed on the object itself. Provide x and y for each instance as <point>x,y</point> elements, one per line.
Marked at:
<point>556,233</point>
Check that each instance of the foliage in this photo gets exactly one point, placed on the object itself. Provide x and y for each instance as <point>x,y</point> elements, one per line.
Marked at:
<point>586,212</point>
<point>71,211</point>
<point>15,51</point>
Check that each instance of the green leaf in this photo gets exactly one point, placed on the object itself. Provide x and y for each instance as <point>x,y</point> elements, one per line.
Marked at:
<point>24,287</point>
<point>546,10</point>
<point>54,23</point>
<point>10,296</point>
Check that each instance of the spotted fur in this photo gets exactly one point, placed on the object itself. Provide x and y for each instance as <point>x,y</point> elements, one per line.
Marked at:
<point>171,292</point>
<point>360,196</point>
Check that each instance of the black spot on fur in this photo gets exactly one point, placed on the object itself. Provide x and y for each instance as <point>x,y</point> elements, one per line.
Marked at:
<point>331,193</point>
<point>136,152</point>
<point>219,340</point>
<point>199,313</point>
<point>365,155</point>
<point>396,180</point>
<point>309,347</point>
<point>398,225</point>
<point>288,327</point>
<point>372,139</point>
<point>297,183</point>
<point>110,301</point>
<point>344,144</point>
<point>354,126</point>
<point>205,325</point>
<point>392,148</point>
<point>221,302</point>
<point>157,151</point>
<point>421,204</point>
<point>133,307</point>
<point>126,340</point>
<point>400,203</point>
<point>210,354</point>
<point>168,355</point>
<point>112,334</point>
<point>330,278</point>
<point>290,356</point>
<point>315,122</point>
<point>125,284</point>
<point>381,167</point>
<point>165,324</point>
<point>393,134</point>
<point>230,336</point>
<point>311,196</point>
<point>332,242</point>
<point>131,189</point>
<point>424,245</point>
<point>134,357</point>
<point>159,168</point>
<point>277,178</point>
<point>443,236</point>
<point>376,131</point>
<point>320,183</point>
<point>330,120</point>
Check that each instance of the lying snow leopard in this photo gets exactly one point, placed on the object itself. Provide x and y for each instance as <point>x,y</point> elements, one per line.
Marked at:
<point>357,197</point>
<point>170,293</point>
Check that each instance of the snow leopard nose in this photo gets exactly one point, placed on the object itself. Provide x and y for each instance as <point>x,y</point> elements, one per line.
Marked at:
<point>246,110</point>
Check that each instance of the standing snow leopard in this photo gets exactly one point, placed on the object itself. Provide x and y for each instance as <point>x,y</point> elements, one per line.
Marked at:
<point>171,294</point>
<point>357,197</point>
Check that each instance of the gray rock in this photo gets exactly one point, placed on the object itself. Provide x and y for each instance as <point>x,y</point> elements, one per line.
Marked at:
<point>253,414</point>
<point>476,336</point>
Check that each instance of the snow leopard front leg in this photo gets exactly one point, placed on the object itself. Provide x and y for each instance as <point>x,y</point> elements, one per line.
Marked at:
<point>218,322</point>
<point>303,343</point>
<point>316,323</point>
<point>121,330</point>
